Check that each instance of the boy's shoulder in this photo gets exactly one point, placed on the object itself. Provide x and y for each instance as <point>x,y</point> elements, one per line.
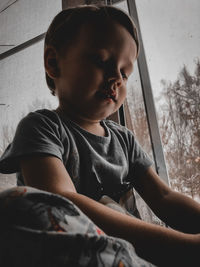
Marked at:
<point>41,115</point>
<point>40,120</point>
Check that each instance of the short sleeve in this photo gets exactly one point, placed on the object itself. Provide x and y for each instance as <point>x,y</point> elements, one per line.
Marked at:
<point>139,159</point>
<point>35,134</point>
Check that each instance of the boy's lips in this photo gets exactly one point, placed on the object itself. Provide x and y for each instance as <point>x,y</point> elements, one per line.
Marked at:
<point>108,94</point>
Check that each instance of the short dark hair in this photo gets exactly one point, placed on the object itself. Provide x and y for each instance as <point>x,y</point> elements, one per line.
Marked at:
<point>66,24</point>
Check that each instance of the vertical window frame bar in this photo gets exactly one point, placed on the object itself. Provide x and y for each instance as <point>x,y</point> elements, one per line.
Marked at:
<point>152,121</point>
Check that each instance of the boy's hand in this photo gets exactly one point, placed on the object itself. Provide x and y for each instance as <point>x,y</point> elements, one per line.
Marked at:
<point>175,209</point>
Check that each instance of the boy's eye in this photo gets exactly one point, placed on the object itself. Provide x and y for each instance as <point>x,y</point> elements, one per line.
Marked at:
<point>98,60</point>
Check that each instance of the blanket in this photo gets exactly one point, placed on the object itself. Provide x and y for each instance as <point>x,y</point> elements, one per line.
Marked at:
<point>43,229</point>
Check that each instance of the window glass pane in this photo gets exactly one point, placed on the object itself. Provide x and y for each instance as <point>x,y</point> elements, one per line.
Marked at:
<point>122,5</point>
<point>136,111</point>
<point>171,40</point>
<point>4,4</point>
<point>22,89</point>
<point>24,20</point>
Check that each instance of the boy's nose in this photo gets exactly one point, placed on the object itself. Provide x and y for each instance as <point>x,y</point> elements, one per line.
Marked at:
<point>115,79</point>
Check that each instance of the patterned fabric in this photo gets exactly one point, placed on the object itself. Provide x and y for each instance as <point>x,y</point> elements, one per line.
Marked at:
<point>44,229</point>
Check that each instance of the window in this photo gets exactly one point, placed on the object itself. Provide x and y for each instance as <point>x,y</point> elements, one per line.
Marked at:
<point>23,20</point>
<point>171,41</point>
<point>21,65</point>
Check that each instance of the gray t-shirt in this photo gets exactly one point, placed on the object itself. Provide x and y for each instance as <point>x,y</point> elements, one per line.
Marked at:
<point>97,165</point>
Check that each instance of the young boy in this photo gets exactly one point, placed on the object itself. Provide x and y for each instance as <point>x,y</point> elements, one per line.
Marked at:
<point>75,152</point>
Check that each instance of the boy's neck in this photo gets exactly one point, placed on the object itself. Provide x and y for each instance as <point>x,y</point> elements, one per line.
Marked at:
<point>90,125</point>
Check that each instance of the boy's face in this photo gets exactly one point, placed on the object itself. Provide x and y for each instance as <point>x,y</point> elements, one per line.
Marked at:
<point>93,71</point>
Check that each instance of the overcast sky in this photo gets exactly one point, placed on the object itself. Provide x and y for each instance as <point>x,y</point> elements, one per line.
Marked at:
<point>171,35</point>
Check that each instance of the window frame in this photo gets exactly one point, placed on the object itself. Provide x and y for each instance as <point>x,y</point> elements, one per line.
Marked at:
<point>22,46</point>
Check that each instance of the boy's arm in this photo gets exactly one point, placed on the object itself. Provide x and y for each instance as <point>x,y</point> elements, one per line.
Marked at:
<point>175,209</point>
<point>159,245</point>
<point>46,173</point>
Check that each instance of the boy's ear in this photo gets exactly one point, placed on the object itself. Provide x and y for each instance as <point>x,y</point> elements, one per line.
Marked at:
<point>50,62</point>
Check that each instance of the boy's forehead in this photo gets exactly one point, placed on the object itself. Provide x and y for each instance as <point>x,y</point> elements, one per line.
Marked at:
<point>102,34</point>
